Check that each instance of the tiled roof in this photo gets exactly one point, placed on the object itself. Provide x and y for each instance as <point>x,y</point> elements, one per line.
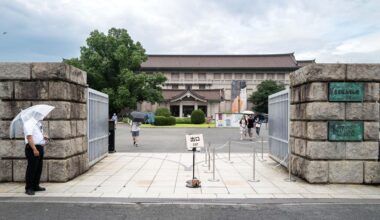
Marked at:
<point>207,94</point>
<point>302,63</point>
<point>220,61</point>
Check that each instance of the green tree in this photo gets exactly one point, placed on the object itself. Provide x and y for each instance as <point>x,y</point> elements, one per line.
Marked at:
<point>260,97</point>
<point>112,62</point>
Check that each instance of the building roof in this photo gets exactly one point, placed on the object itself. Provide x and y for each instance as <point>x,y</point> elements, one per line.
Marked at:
<point>303,63</point>
<point>220,61</point>
<point>201,94</point>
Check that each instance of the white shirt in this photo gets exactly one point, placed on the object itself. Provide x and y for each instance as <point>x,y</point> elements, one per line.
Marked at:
<point>34,129</point>
<point>135,126</point>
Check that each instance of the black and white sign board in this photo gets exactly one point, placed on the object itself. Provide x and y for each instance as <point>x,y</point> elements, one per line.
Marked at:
<point>194,141</point>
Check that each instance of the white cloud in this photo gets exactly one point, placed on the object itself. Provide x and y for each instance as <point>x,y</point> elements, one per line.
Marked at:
<point>329,31</point>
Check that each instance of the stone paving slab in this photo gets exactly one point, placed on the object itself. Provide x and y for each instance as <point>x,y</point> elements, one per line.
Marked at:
<point>163,175</point>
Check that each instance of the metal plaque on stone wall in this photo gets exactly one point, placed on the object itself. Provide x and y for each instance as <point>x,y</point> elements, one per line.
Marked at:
<point>346,92</point>
<point>345,130</point>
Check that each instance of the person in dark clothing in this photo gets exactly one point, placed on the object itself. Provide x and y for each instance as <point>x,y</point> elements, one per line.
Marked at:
<point>250,125</point>
<point>257,123</point>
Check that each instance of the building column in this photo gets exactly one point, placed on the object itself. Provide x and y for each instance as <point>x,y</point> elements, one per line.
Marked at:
<point>196,106</point>
<point>180,110</point>
<point>208,109</point>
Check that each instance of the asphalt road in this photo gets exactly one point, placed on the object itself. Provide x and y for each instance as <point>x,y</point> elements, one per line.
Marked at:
<point>172,140</point>
<point>256,209</point>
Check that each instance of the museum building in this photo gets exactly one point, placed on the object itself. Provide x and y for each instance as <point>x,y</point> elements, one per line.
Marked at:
<point>205,81</point>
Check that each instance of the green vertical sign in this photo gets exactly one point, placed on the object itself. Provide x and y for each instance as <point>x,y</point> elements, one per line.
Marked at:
<point>346,92</point>
<point>345,130</point>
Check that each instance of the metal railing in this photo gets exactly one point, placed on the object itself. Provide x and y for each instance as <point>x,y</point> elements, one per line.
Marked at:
<point>278,107</point>
<point>97,125</point>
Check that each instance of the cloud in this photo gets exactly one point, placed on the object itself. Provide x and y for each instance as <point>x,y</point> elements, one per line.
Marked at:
<point>330,31</point>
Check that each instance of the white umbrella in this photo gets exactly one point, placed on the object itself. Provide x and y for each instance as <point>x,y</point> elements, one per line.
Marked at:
<point>247,112</point>
<point>31,115</point>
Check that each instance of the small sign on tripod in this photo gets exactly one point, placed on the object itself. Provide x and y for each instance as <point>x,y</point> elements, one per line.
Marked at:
<point>194,141</point>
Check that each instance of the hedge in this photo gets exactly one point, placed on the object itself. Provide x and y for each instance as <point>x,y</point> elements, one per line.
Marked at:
<point>163,112</point>
<point>183,121</point>
<point>161,120</point>
<point>198,117</point>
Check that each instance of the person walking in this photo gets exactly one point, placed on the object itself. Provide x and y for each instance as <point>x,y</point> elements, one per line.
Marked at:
<point>250,125</point>
<point>35,140</point>
<point>243,127</point>
<point>114,118</point>
<point>257,124</point>
<point>135,129</point>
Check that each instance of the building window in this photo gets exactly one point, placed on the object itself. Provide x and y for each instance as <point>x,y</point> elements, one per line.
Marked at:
<point>188,76</point>
<point>202,86</point>
<point>281,76</point>
<point>259,75</point>
<point>174,86</point>
<point>228,76</point>
<point>249,75</point>
<point>188,87</point>
<point>217,75</point>
<point>175,76</point>
<point>270,75</point>
<point>202,76</point>
<point>238,76</point>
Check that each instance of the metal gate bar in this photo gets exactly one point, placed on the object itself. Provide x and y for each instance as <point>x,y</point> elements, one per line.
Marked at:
<point>278,107</point>
<point>97,125</point>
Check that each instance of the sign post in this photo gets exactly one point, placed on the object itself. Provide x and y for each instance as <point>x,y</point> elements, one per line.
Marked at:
<point>193,142</point>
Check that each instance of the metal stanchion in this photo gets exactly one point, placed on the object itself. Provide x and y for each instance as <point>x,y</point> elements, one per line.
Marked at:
<point>262,149</point>
<point>229,151</point>
<point>213,167</point>
<point>289,179</point>
<point>209,160</point>
<point>206,150</point>
<point>254,165</point>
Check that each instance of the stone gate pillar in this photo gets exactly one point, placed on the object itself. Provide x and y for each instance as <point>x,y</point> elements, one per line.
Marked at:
<point>65,87</point>
<point>334,127</point>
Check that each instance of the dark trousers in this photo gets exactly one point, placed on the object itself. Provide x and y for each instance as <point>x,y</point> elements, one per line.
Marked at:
<point>34,168</point>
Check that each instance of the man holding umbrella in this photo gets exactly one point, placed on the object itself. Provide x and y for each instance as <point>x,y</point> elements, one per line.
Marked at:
<point>34,152</point>
<point>137,118</point>
<point>29,121</point>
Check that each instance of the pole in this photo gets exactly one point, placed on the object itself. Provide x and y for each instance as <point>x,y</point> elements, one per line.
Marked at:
<point>262,149</point>
<point>289,179</point>
<point>229,151</point>
<point>194,149</point>
<point>213,167</point>
<point>209,159</point>
<point>206,150</point>
<point>254,166</point>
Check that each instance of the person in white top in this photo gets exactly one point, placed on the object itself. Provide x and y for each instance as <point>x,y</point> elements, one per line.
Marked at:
<point>243,127</point>
<point>34,152</point>
<point>135,129</point>
<point>114,118</point>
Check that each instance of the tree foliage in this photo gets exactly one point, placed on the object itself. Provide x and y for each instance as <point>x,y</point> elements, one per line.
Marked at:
<point>112,62</point>
<point>198,117</point>
<point>260,97</point>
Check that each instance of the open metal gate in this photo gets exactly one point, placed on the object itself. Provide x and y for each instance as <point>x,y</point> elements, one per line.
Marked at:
<point>278,107</point>
<point>97,125</point>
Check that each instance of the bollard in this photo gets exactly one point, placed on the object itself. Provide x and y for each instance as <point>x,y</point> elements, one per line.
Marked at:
<point>213,167</point>
<point>206,150</point>
<point>262,149</point>
<point>209,160</point>
<point>254,166</point>
<point>229,151</point>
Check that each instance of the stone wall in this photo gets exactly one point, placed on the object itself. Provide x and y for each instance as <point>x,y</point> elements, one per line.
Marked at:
<point>314,157</point>
<point>65,87</point>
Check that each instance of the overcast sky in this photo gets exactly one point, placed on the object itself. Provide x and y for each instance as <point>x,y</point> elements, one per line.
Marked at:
<point>325,30</point>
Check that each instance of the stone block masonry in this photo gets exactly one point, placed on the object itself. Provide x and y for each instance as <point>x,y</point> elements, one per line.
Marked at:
<point>313,156</point>
<point>25,84</point>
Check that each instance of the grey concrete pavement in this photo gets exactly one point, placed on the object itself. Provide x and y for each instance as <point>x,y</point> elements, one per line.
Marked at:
<point>279,209</point>
<point>172,140</point>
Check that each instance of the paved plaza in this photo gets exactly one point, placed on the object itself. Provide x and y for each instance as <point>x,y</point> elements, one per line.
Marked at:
<point>163,175</point>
